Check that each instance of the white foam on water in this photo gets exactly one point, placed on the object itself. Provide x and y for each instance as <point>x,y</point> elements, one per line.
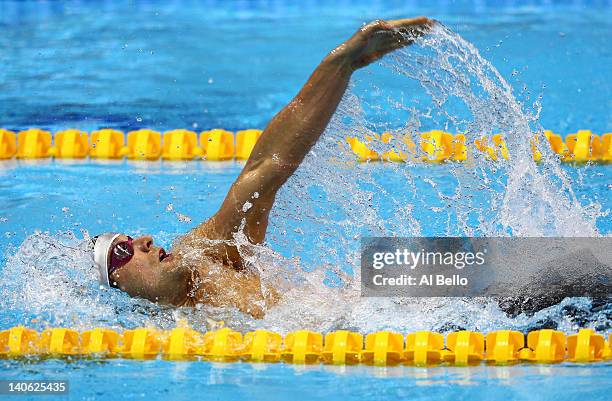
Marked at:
<point>329,204</point>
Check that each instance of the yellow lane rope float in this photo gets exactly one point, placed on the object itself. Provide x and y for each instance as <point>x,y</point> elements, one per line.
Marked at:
<point>217,144</point>
<point>383,348</point>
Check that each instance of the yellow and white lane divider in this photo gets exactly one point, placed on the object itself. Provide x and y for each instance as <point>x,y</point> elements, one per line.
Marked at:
<point>217,144</point>
<point>383,348</point>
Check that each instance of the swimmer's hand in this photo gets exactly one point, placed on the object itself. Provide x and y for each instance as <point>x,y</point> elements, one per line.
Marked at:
<point>380,37</point>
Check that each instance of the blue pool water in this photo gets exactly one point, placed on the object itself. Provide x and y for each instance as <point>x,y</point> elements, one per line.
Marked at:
<point>184,64</point>
<point>210,381</point>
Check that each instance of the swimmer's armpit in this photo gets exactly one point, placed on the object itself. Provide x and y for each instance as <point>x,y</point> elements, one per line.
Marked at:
<point>296,128</point>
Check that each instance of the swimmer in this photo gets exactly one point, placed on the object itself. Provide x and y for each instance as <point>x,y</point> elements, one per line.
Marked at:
<point>217,274</point>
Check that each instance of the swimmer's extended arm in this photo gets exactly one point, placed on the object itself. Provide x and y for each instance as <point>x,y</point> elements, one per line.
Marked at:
<point>297,127</point>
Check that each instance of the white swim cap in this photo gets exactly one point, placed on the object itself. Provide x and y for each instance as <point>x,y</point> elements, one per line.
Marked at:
<point>101,255</point>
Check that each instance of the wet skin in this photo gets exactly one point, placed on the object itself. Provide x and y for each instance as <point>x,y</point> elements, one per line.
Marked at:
<point>219,276</point>
<point>152,273</point>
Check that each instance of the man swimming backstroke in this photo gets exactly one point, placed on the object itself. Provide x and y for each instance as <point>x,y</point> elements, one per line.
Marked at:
<point>217,273</point>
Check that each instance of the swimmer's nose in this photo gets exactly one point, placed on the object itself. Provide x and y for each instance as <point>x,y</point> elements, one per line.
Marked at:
<point>144,243</point>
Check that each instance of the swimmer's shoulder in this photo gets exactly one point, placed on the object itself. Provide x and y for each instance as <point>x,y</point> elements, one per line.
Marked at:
<point>208,241</point>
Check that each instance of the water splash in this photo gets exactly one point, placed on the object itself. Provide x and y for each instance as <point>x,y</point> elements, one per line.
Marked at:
<point>321,213</point>
<point>50,281</point>
<point>448,84</point>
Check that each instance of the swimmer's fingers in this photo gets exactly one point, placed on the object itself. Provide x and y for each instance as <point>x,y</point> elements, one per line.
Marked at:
<point>406,31</point>
<point>395,34</point>
<point>422,22</point>
<point>380,37</point>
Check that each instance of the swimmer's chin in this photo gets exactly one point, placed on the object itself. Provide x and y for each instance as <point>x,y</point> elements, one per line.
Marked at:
<point>165,256</point>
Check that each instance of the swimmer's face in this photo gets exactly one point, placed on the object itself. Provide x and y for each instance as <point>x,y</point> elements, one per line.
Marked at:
<point>152,273</point>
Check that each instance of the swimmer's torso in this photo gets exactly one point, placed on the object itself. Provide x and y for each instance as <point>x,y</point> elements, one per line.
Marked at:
<point>218,284</point>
